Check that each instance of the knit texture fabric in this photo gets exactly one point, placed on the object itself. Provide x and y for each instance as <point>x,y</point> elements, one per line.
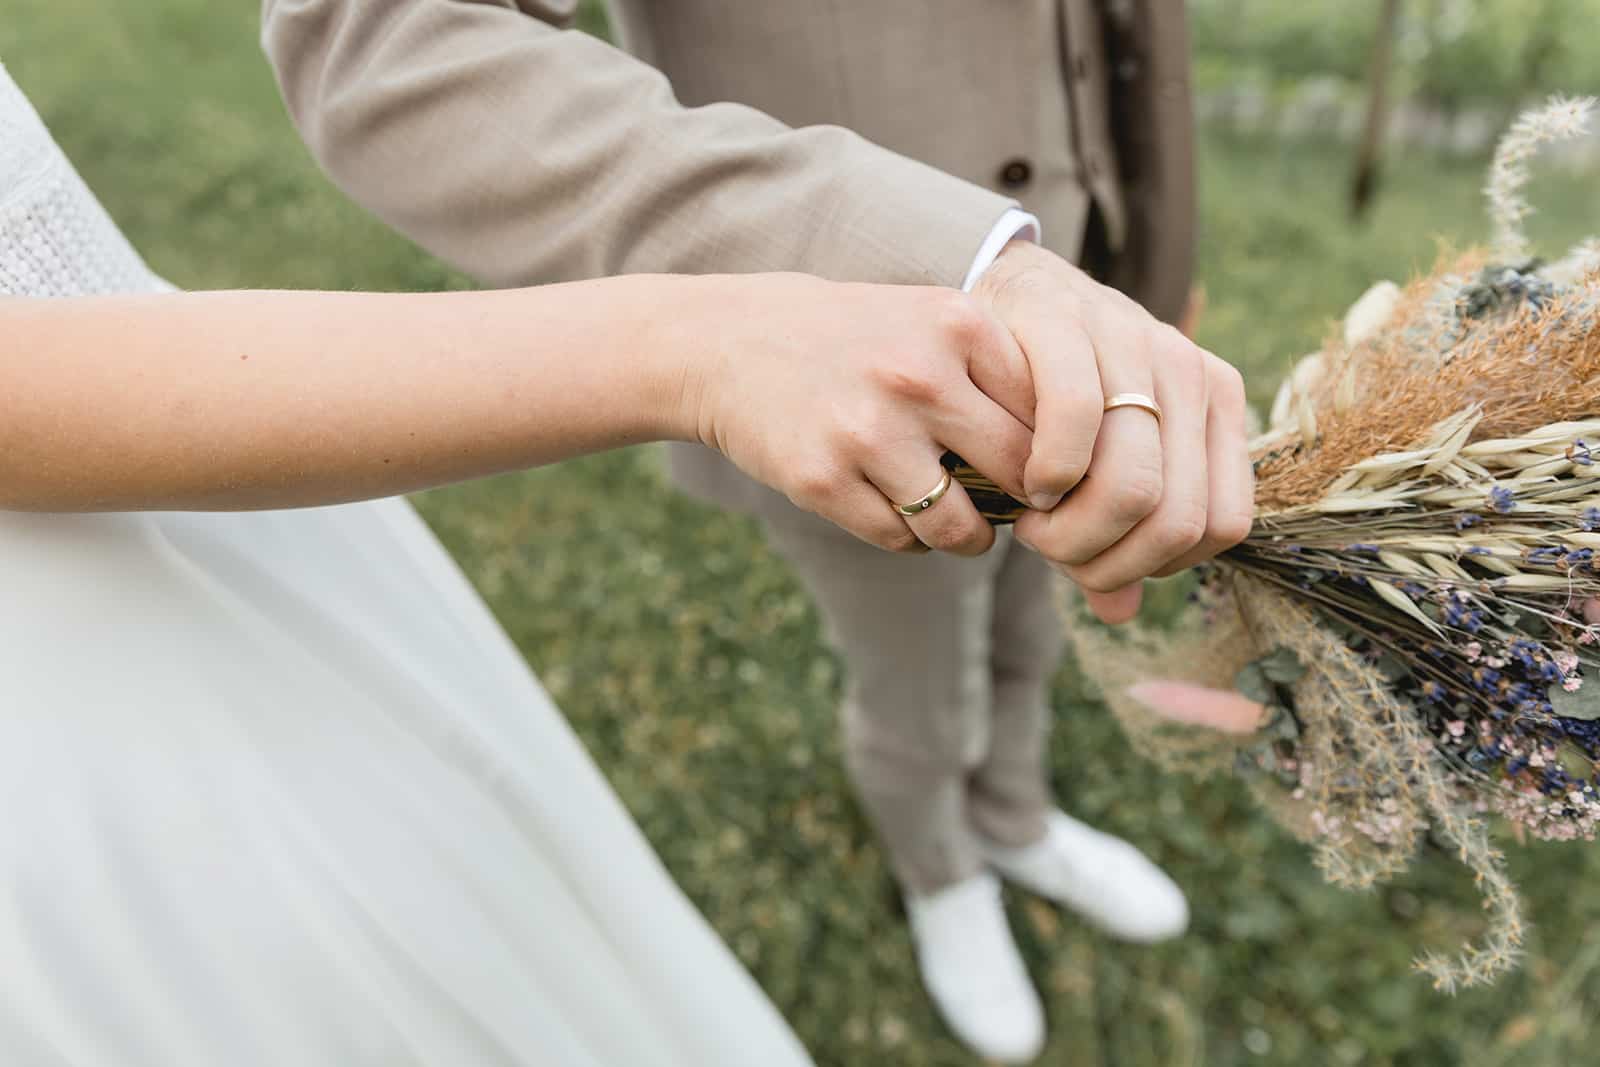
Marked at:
<point>55,237</point>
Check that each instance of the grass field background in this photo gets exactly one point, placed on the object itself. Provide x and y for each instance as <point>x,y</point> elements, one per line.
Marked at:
<point>689,660</point>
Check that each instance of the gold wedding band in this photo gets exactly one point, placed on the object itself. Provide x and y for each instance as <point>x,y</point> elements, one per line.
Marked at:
<point>1134,400</point>
<point>917,507</point>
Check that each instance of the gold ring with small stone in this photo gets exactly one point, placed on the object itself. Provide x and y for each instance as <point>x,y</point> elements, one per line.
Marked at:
<point>917,507</point>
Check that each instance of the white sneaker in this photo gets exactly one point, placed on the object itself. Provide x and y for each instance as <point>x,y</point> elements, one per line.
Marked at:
<point>1102,878</point>
<point>973,972</point>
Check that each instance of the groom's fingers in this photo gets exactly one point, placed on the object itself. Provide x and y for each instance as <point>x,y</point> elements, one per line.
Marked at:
<point>1116,607</point>
<point>1041,312</point>
<point>1178,521</point>
<point>1231,507</point>
<point>997,365</point>
<point>1066,379</point>
<point>1126,482</point>
<point>983,433</point>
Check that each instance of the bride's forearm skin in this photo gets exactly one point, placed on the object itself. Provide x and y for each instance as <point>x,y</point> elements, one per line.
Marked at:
<point>842,397</point>
<point>237,400</point>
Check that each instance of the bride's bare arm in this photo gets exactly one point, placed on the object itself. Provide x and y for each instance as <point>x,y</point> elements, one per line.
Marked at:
<point>838,395</point>
<point>273,399</point>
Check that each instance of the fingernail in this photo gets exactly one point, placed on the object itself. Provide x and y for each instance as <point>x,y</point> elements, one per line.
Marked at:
<point>1044,501</point>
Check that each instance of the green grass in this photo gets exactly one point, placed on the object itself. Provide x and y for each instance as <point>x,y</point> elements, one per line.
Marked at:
<point>688,658</point>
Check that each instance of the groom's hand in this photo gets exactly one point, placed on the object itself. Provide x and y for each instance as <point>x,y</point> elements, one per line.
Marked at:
<point>1148,496</point>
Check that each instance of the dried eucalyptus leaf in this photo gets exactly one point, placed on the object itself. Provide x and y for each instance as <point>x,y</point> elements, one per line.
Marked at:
<point>1283,726</point>
<point>1390,667</point>
<point>1574,762</point>
<point>1584,703</point>
<point>1252,682</point>
<point>1282,666</point>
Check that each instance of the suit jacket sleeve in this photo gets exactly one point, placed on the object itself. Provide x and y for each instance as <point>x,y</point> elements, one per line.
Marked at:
<point>523,152</point>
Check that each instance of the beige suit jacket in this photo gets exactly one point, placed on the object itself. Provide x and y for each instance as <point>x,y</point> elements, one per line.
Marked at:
<point>871,140</point>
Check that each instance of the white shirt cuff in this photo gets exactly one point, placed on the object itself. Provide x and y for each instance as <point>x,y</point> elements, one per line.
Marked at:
<point>1015,224</point>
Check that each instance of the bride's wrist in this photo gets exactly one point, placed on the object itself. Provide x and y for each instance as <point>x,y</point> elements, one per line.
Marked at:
<point>686,323</point>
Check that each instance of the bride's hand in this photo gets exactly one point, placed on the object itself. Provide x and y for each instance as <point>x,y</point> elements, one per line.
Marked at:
<point>844,397</point>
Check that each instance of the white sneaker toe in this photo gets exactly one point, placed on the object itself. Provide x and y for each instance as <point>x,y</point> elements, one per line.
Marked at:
<point>973,971</point>
<point>1146,904</point>
<point>1101,877</point>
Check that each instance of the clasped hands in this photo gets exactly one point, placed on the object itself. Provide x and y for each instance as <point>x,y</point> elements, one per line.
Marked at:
<point>867,386</point>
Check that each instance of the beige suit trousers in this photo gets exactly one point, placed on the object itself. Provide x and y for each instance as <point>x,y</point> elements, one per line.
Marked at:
<point>945,716</point>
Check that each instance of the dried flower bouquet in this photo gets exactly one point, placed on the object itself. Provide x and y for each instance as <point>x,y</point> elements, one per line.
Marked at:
<point>1414,617</point>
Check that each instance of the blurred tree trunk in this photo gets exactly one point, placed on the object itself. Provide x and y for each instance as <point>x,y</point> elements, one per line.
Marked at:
<point>1370,151</point>
<point>1433,89</point>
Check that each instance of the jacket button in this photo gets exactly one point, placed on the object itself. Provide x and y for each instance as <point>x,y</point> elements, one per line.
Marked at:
<point>1016,174</point>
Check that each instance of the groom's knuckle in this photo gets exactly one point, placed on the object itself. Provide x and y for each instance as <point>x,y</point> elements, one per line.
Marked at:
<point>1067,468</point>
<point>1179,528</point>
<point>1171,356</point>
<point>1097,579</point>
<point>1136,495</point>
<point>959,318</point>
<point>1226,386</point>
<point>1024,285</point>
<point>1229,525</point>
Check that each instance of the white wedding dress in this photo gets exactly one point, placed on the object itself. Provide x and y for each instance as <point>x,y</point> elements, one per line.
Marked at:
<point>276,791</point>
